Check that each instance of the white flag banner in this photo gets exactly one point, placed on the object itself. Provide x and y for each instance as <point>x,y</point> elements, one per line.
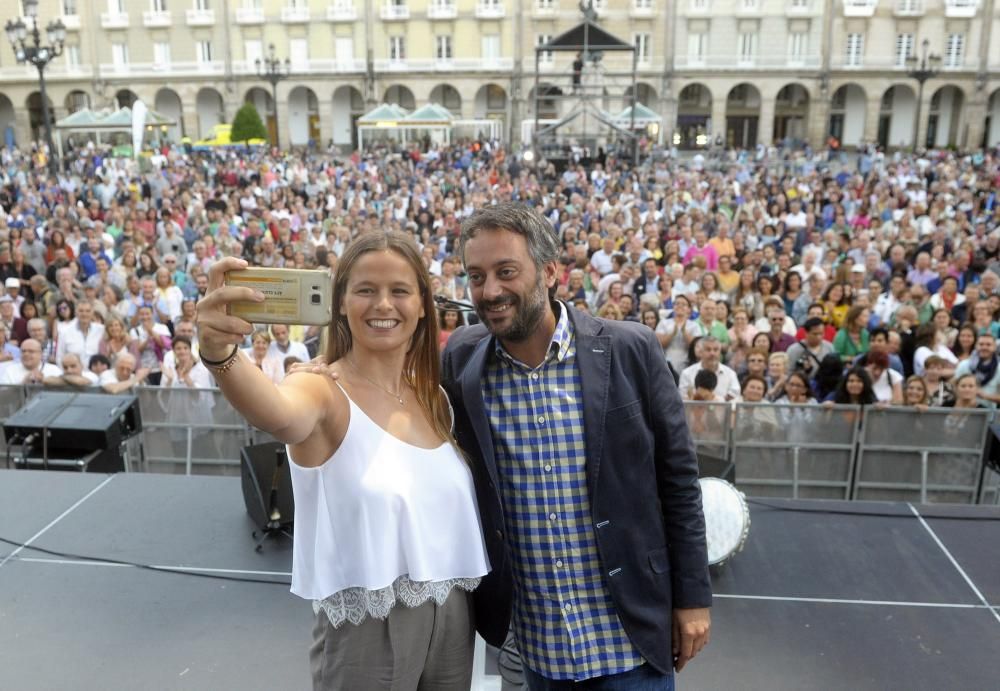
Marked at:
<point>138,125</point>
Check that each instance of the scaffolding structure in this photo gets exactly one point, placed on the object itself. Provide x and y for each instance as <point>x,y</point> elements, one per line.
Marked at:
<point>587,82</point>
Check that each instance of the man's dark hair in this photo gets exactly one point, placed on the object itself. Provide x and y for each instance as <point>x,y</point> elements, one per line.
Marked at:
<point>705,379</point>
<point>98,360</point>
<point>878,331</point>
<point>543,246</point>
<point>811,323</point>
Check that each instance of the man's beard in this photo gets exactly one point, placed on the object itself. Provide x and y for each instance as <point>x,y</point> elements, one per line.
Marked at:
<point>528,313</point>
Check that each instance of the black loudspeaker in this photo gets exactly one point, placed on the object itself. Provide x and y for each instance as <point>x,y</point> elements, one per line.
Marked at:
<point>267,489</point>
<point>84,431</point>
<point>712,465</point>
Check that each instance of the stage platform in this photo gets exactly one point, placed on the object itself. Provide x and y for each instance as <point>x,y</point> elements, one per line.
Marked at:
<point>825,595</point>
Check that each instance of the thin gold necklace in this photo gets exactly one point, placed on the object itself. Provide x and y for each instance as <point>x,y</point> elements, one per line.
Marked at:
<point>397,396</point>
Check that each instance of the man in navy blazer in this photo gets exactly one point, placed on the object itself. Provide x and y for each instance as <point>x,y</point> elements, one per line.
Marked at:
<point>641,503</point>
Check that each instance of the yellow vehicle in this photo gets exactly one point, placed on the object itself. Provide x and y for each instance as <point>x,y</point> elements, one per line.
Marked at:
<point>220,137</point>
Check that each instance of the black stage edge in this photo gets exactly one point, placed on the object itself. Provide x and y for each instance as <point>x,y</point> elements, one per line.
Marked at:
<point>860,595</point>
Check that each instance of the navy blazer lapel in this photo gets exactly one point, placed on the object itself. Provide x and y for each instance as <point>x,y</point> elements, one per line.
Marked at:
<point>472,397</point>
<point>593,354</point>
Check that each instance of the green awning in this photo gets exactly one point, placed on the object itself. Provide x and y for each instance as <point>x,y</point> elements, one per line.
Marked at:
<point>385,113</point>
<point>431,114</point>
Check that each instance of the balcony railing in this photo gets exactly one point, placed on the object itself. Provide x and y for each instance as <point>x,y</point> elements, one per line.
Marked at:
<point>963,9</point>
<point>442,10</point>
<point>545,9</point>
<point>490,10</point>
<point>312,66</point>
<point>454,65</point>
<point>759,62</point>
<point>114,20</point>
<point>156,18</point>
<point>341,12</point>
<point>908,8</point>
<point>395,12</point>
<point>196,17</point>
<point>71,21</point>
<point>138,69</point>
<point>55,70</point>
<point>860,8</point>
<point>640,10</point>
<point>294,15</point>
<point>249,15</point>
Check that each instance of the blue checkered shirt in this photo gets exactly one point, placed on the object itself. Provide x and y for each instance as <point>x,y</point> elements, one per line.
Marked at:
<point>564,618</point>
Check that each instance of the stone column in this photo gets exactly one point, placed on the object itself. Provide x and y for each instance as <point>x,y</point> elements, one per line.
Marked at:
<point>325,121</point>
<point>871,118</point>
<point>718,116</point>
<point>765,125</point>
<point>818,121</point>
<point>972,121</point>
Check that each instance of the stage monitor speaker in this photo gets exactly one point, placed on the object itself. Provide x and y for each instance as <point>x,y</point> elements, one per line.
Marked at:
<point>75,422</point>
<point>267,486</point>
<point>712,465</point>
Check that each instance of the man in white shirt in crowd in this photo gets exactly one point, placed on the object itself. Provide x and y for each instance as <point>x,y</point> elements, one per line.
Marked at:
<point>73,374</point>
<point>710,353</point>
<point>282,346</point>
<point>31,369</point>
<point>123,376</point>
<point>891,300</point>
<point>82,335</point>
<point>600,261</point>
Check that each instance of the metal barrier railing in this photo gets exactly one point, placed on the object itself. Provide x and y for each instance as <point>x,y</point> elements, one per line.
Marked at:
<point>934,455</point>
<point>799,451</point>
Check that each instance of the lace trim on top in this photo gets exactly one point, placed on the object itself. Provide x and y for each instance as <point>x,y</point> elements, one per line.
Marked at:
<point>354,605</point>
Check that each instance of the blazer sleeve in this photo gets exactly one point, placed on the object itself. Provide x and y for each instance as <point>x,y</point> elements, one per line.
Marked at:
<point>678,488</point>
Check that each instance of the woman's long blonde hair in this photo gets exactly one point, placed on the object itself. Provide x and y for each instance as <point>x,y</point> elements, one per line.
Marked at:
<point>422,367</point>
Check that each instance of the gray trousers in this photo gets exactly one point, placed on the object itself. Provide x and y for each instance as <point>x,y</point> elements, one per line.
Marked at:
<point>426,648</point>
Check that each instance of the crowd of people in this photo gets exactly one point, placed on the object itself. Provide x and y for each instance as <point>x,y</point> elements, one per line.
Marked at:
<point>867,280</point>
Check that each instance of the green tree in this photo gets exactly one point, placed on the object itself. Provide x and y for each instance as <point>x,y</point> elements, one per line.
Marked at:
<point>247,125</point>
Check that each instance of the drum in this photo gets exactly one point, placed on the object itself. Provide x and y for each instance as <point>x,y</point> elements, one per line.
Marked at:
<point>727,519</point>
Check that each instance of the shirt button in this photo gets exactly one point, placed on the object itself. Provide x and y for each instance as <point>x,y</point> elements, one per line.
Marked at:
<point>552,516</point>
<point>568,607</point>
<point>559,563</point>
<point>548,468</point>
<point>541,419</point>
<point>534,375</point>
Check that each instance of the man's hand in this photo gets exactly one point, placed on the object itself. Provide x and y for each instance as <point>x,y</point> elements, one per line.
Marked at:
<point>690,634</point>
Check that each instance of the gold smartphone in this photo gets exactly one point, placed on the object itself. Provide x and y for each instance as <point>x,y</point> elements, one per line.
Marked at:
<point>291,296</point>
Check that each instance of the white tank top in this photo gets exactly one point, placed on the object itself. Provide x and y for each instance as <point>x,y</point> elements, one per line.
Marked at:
<point>379,509</point>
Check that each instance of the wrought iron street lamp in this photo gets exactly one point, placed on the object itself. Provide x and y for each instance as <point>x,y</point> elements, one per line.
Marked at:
<point>273,71</point>
<point>29,50</point>
<point>928,69</point>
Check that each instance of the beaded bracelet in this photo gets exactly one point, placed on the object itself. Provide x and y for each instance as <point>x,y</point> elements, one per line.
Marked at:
<point>222,365</point>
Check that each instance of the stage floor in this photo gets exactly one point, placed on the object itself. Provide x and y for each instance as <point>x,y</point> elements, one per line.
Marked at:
<point>825,595</point>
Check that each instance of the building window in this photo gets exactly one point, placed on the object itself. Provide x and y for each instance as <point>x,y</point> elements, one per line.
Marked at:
<point>298,53</point>
<point>546,56</point>
<point>955,50</point>
<point>203,5</point>
<point>748,5</point>
<point>747,48</point>
<point>545,4</point>
<point>345,50</point>
<point>855,50</point>
<point>161,54</point>
<point>69,7</point>
<point>442,47</point>
<point>697,47</point>
<point>798,44</point>
<point>119,54</point>
<point>204,51</point>
<point>642,49</point>
<point>642,4</point>
<point>72,53</point>
<point>116,7</point>
<point>253,50</point>
<point>397,48</point>
<point>158,5</point>
<point>491,46</point>
<point>904,48</point>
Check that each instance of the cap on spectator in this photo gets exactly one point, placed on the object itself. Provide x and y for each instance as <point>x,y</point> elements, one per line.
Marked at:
<point>6,298</point>
<point>12,283</point>
<point>857,269</point>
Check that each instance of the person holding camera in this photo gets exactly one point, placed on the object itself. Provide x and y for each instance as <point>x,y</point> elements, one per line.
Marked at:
<point>388,544</point>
